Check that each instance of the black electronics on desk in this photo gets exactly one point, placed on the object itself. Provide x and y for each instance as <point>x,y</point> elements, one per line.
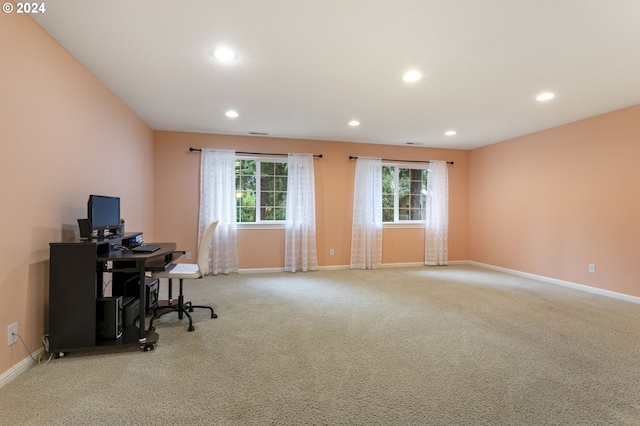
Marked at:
<point>130,311</point>
<point>103,213</point>
<point>109,318</point>
<point>86,233</point>
<point>130,288</point>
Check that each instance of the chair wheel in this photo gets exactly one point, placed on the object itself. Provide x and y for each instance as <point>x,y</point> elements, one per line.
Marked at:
<point>191,328</point>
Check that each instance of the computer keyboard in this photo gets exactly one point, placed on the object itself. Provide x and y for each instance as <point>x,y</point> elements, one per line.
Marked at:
<point>146,248</point>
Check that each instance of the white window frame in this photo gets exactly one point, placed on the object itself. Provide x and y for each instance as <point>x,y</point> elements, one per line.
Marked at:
<point>399,223</point>
<point>259,223</point>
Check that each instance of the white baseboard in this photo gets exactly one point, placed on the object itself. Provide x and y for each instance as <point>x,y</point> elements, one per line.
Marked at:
<point>259,270</point>
<point>19,368</point>
<point>402,265</point>
<point>602,292</point>
<point>343,267</point>
<point>333,267</point>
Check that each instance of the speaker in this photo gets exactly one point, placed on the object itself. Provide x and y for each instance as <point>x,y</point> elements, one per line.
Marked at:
<point>85,228</point>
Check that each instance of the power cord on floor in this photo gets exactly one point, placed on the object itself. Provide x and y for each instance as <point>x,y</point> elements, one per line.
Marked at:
<point>45,341</point>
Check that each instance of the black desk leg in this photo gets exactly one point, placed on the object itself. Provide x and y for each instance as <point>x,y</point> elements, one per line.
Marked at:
<point>143,302</point>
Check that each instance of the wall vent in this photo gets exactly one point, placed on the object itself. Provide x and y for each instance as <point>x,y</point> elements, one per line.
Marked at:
<point>259,133</point>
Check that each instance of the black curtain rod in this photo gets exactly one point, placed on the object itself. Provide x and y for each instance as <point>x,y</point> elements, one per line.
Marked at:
<point>403,161</point>
<point>256,153</point>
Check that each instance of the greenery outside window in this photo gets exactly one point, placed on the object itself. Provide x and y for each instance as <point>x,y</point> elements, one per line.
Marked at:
<point>261,190</point>
<point>403,194</point>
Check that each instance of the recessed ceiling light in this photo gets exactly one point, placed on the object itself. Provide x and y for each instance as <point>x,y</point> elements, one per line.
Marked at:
<point>450,132</point>
<point>224,54</point>
<point>412,76</point>
<point>545,96</point>
<point>354,123</point>
<point>231,114</point>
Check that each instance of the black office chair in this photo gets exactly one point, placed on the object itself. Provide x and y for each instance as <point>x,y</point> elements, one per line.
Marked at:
<point>182,271</point>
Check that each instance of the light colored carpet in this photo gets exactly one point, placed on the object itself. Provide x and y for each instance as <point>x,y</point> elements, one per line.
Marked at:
<point>408,346</point>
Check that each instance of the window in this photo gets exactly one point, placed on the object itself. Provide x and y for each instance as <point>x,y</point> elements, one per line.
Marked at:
<point>403,194</point>
<point>261,190</point>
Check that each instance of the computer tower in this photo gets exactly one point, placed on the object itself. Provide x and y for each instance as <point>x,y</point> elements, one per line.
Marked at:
<point>130,311</point>
<point>109,318</point>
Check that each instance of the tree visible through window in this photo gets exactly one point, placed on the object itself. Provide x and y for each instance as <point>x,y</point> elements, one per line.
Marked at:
<point>403,193</point>
<point>261,186</point>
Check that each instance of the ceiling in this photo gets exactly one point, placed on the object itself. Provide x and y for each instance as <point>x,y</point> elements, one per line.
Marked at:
<point>306,68</point>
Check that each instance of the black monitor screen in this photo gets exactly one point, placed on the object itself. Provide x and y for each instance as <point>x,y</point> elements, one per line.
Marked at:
<point>103,212</point>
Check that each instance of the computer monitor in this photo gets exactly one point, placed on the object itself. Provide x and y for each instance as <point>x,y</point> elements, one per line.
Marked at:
<point>104,213</point>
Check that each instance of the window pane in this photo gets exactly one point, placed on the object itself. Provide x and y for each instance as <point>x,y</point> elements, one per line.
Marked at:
<point>266,199</point>
<point>280,213</point>
<point>280,199</point>
<point>246,214</point>
<point>387,215</point>
<point>267,183</point>
<point>388,201</point>
<point>267,169</point>
<point>281,169</point>
<point>248,183</point>
<point>267,213</point>
<point>245,167</point>
<point>387,179</point>
<point>403,183</point>
<point>280,183</point>
<point>417,214</point>
<point>245,190</point>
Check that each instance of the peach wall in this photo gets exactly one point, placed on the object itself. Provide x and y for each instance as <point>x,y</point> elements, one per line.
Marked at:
<point>177,197</point>
<point>552,202</point>
<point>64,135</point>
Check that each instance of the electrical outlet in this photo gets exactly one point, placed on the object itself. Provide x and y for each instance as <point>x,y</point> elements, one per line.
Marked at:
<point>592,268</point>
<point>188,255</point>
<point>12,332</point>
<point>331,252</point>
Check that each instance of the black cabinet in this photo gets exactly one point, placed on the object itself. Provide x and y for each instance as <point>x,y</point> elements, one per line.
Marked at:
<point>73,291</point>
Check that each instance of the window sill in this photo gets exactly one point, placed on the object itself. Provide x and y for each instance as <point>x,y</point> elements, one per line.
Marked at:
<point>401,225</point>
<point>244,225</point>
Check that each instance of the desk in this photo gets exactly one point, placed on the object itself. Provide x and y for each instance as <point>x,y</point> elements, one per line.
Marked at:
<point>76,283</point>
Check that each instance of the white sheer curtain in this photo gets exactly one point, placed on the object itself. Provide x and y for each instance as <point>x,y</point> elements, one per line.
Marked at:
<point>300,238</point>
<point>218,201</point>
<point>437,215</point>
<point>366,233</point>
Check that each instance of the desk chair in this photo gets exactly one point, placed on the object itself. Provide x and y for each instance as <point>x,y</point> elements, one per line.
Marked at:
<point>182,271</point>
